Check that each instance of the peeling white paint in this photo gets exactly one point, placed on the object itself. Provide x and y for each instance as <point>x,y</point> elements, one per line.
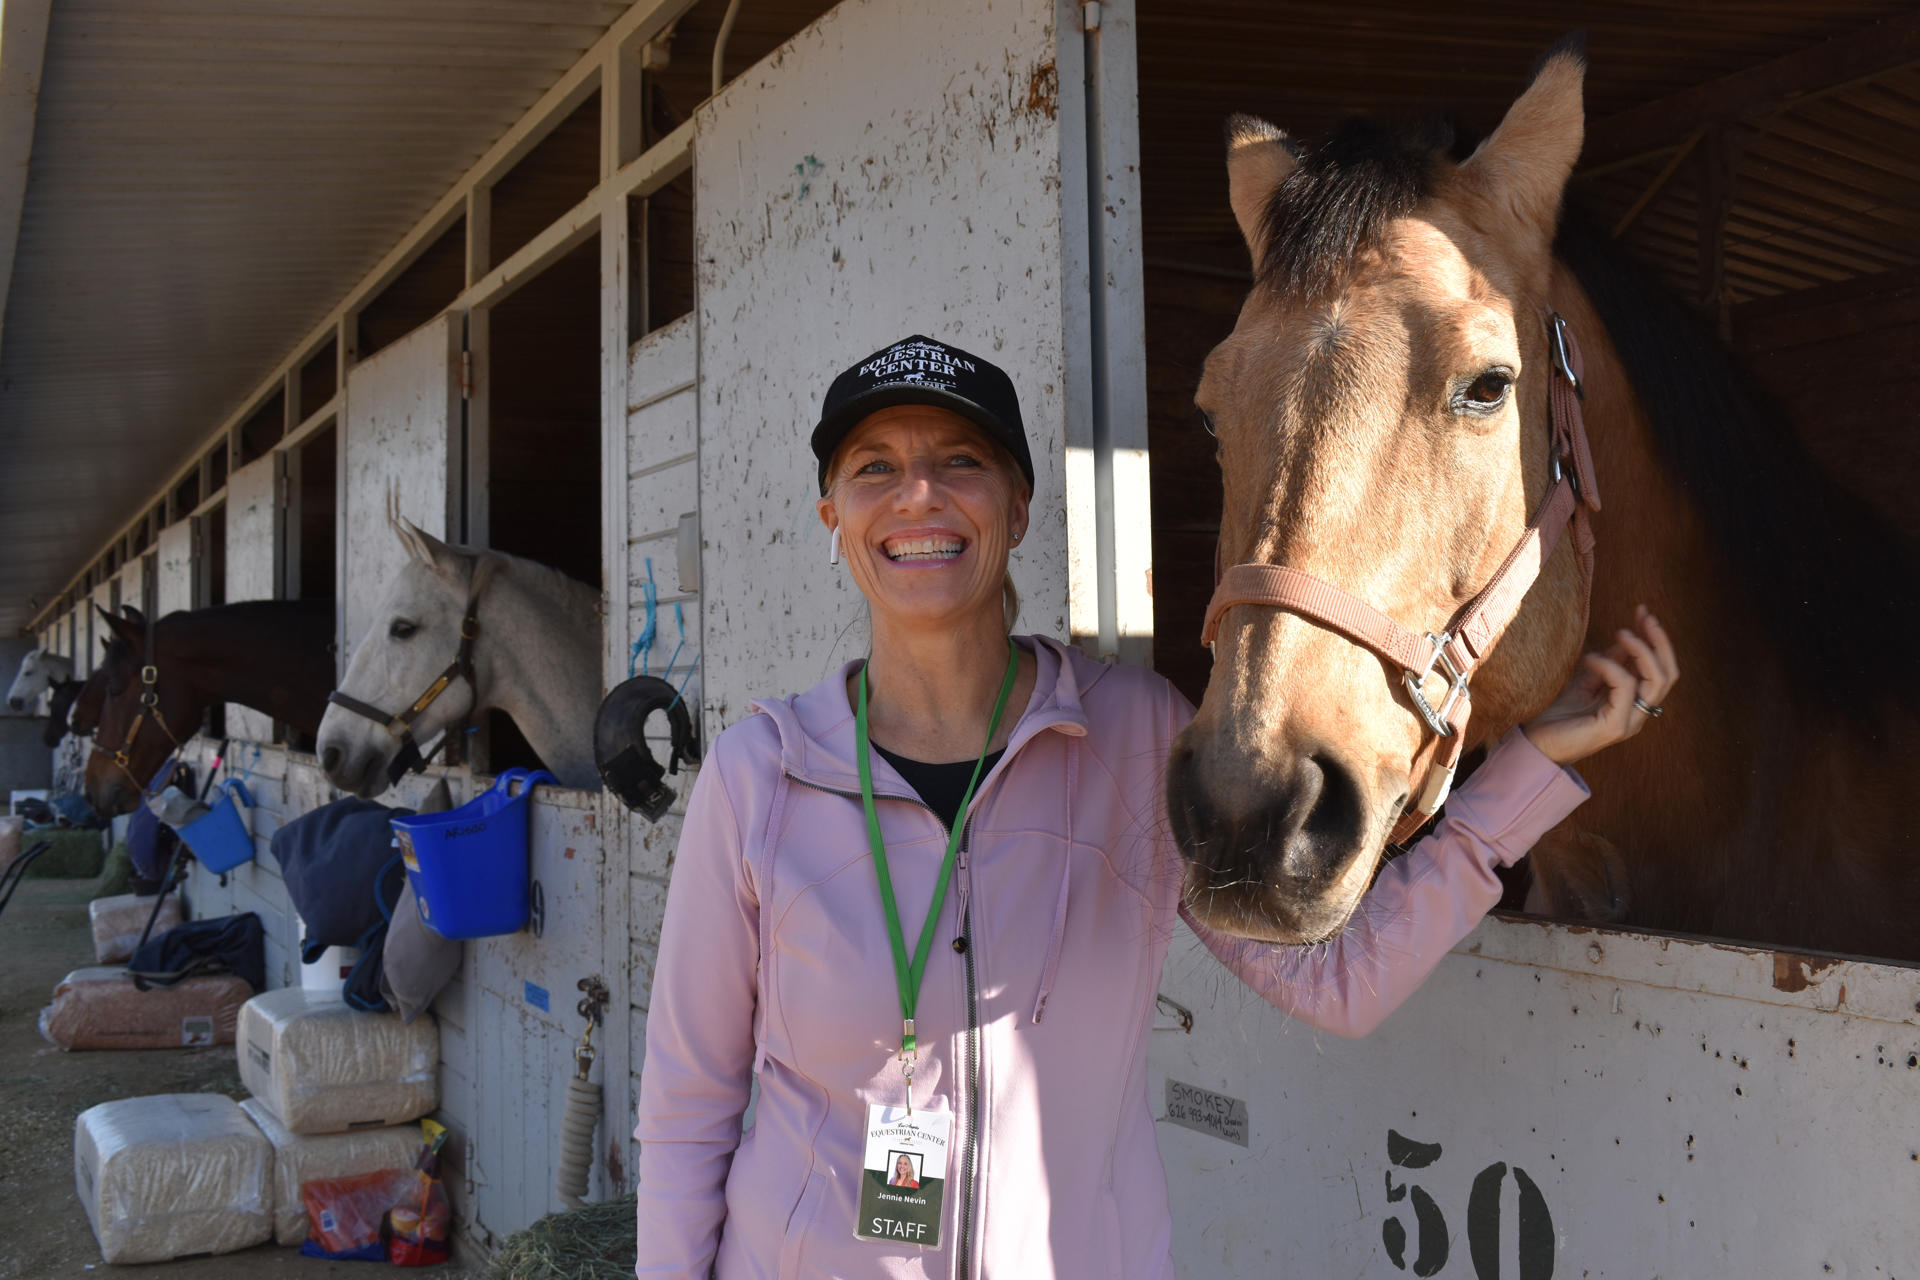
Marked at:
<point>830,223</point>
<point>1684,1108</point>
<point>403,416</point>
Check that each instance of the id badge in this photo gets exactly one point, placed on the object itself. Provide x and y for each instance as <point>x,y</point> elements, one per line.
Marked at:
<point>903,1178</point>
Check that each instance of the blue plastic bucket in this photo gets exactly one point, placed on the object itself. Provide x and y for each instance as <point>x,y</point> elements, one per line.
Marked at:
<point>219,837</point>
<point>468,866</point>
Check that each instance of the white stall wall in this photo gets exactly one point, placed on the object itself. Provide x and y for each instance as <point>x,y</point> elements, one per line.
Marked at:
<point>663,485</point>
<point>94,626</point>
<point>1557,1101</point>
<point>829,223</point>
<point>402,421</point>
<point>253,563</point>
<point>175,545</point>
<point>133,580</point>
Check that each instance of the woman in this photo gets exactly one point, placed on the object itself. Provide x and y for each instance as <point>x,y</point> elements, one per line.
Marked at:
<point>1006,793</point>
<point>903,1173</point>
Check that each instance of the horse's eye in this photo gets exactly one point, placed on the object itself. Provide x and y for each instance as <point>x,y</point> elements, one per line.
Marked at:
<point>1485,393</point>
<point>1206,420</point>
<point>401,629</point>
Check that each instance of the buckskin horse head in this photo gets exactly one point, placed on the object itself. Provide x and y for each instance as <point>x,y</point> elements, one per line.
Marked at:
<point>1386,432</point>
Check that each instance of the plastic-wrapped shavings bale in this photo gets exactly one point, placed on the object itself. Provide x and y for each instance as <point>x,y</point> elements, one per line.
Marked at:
<point>301,1158</point>
<point>101,1008</point>
<point>172,1175</point>
<point>118,922</point>
<point>322,1066</point>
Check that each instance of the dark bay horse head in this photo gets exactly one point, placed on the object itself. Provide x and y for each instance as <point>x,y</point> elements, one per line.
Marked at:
<point>59,708</point>
<point>112,786</point>
<point>274,656</point>
<point>84,719</point>
<point>1381,409</point>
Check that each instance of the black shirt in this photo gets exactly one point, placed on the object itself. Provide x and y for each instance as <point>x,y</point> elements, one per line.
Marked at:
<point>941,786</point>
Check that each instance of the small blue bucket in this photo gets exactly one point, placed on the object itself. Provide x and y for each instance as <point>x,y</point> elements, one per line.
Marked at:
<point>219,837</point>
<point>468,866</point>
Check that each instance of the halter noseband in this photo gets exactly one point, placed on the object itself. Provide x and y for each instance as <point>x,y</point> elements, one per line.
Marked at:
<point>400,725</point>
<point>1456,651</point>
<point>149,710</point>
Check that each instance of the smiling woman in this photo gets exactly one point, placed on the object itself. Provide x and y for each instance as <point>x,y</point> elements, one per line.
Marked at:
<point>1004,796</point>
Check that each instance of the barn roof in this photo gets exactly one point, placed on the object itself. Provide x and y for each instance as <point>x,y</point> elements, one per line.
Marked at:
<point>1812,108</point>
<point>208,177</point>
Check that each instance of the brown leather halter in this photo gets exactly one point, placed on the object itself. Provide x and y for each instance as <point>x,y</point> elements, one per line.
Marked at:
<point>149,711</point>
<point>400,725</point>
<point>1456,651</point>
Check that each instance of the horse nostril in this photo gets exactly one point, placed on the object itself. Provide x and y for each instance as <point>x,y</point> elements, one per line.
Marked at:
<point>1324,821</point>
<point>330,760</point>
<point>17,704</point>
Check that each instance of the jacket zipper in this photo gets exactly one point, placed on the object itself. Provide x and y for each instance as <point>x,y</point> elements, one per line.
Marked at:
<point>970,1169</point>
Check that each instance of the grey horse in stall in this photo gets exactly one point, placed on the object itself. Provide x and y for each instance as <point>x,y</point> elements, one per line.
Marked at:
<point>463,631</point>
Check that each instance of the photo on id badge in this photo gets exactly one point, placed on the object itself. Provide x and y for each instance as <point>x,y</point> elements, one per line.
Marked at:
<point>904,1175</point>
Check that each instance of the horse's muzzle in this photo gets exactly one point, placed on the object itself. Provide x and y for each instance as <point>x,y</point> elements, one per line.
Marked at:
<point>1271,843</point>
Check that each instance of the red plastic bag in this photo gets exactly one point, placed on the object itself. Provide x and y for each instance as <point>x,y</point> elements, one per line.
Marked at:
<point>344,1215</point>
<point>422,1216</point>
<point>419,1222</point>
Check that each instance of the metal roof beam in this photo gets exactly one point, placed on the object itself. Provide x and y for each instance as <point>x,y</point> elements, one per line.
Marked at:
<point>1756,92</point>
<point>23,47</point>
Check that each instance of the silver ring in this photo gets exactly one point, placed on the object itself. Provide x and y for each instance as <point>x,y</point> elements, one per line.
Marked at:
<point>1649,708</point>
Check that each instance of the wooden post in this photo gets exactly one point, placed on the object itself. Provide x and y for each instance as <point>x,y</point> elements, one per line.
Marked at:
<point>1718,157</point>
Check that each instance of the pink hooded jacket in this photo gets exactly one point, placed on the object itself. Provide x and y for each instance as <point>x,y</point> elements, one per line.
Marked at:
<point>774,963</point>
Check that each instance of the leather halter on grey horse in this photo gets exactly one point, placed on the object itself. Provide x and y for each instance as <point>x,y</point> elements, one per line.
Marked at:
<point>409,758</point>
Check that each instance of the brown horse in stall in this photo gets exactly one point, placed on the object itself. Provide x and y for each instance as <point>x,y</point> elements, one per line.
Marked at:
<point>275,656</point>
<point>1383,424</point>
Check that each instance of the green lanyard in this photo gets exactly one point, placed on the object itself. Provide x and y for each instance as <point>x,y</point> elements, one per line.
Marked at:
<point>908,975</point>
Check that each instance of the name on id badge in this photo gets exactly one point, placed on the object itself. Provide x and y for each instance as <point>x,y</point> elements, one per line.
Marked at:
<point>903,1180</point>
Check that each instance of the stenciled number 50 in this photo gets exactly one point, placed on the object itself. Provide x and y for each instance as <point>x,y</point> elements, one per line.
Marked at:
<point>1535,1256</point>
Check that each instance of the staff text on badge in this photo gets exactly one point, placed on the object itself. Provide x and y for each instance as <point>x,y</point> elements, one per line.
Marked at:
<point>903,1175</point>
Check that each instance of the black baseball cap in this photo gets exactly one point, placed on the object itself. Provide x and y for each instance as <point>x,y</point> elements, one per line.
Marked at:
<point>918,370</point>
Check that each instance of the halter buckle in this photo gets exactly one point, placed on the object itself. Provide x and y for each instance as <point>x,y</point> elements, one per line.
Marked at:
<point>149,675</point>
<point>1562,358</point>
<point>1456,685</point>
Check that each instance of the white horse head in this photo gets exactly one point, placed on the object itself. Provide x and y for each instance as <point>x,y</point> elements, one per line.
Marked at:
<point>536,656</point>
<point>39,671</point>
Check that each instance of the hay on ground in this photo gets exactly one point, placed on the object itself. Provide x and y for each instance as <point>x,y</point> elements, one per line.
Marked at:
<point>591,1243</point>
<point>77,853</point>
<point>116,877</point>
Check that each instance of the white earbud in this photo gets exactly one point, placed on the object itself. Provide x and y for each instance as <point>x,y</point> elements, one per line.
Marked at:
<point>833,548</point>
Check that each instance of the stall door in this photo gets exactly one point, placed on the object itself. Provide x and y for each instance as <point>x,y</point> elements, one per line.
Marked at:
<point>401,446</point>
<point>947,197</point>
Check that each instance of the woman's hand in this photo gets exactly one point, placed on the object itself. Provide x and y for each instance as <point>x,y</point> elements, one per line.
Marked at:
<point>1597,709</point>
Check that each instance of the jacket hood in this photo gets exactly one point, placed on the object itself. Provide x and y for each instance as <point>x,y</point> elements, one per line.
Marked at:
<point>817,731</point>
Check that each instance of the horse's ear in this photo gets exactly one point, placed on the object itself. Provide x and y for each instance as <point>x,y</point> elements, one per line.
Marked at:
<point>1523,166</point>
<point>428,550</point>
<point>133,615</point>
<point>1259,158</point>
<point>125,629</point>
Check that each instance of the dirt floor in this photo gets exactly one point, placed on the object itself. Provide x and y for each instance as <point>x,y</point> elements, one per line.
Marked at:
<point>43,1230</point>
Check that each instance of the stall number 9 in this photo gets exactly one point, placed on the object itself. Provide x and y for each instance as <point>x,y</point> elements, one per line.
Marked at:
<point>1535,1260</point>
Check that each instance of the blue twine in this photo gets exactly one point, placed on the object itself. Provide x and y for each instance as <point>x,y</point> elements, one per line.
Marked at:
<point>650,630</point>
<point>643,644</point>
<point>691,668</point>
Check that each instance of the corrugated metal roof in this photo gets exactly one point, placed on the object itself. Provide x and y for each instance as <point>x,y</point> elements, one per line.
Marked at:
<point>209,177</point>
